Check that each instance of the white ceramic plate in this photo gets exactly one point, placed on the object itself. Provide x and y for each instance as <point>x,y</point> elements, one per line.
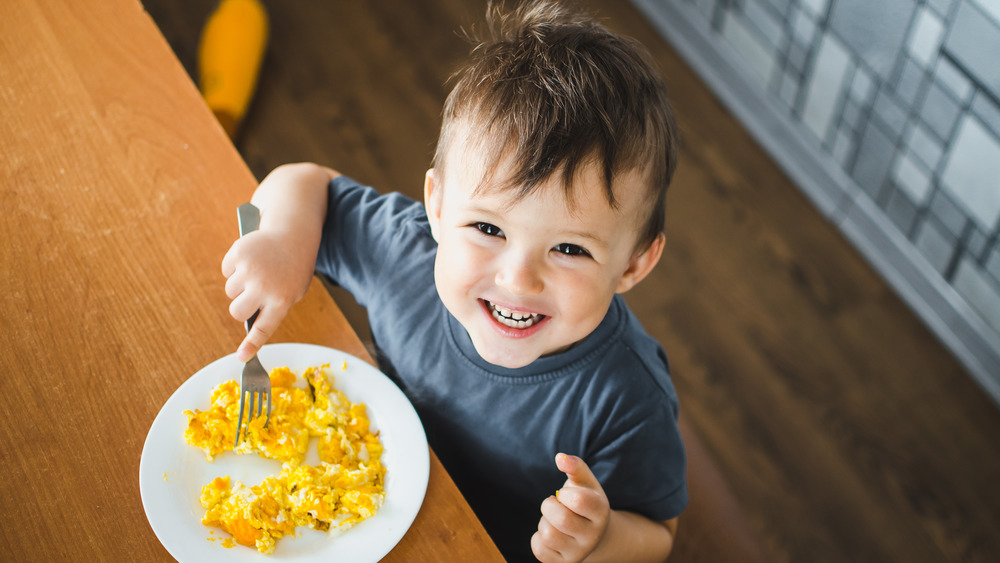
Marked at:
<point>171,473</point>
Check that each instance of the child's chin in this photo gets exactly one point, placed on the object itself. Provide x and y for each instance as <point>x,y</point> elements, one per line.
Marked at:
<point>509,361</point>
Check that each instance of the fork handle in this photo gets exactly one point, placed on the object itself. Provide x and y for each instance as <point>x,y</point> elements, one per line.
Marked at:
<point>248,217</point>
<point>249,322</point>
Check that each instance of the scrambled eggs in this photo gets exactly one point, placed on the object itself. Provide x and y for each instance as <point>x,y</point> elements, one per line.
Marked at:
<point>345,488</point>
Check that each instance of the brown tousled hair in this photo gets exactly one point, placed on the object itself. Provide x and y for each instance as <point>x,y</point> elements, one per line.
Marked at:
<point>553,90</point>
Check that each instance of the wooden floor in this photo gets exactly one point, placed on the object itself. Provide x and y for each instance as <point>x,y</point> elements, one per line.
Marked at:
<point>842,426</point>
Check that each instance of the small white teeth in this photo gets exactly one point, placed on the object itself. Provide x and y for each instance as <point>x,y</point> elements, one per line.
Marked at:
<point>513,319</point>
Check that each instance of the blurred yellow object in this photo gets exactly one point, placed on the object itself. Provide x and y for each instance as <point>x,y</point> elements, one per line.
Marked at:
<point>229,59</point>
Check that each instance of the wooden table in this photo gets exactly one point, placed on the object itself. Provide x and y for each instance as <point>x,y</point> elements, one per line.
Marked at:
<point>118,193</point>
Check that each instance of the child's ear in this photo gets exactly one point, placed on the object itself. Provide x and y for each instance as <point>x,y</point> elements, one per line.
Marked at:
<point>432,202</point>
<point>641,264</point>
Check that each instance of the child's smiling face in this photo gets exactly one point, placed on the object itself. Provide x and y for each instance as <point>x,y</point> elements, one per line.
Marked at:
<point>532,277</point>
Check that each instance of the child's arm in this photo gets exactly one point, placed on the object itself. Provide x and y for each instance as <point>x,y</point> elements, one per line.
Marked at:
<point>270,269</point>
<point>578,524</point>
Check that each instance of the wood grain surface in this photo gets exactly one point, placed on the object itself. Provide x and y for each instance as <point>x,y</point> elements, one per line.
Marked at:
<point>841,426</point>
<point>119,192</point>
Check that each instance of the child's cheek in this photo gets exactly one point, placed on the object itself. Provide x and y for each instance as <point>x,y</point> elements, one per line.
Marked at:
<point>460,266</point>
<point>472,259</point>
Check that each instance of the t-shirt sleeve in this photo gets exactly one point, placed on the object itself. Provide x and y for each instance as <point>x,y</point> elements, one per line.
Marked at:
<point>643,470</point>
<point>363,235</point>
<point>639,457</point>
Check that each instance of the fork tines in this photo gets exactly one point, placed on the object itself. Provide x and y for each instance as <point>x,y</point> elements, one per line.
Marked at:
<point>256,401</point>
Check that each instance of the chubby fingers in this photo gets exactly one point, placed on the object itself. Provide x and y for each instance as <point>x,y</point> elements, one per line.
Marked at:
<point>271,312</point>
<point>561,536</point>
<point>573,520</point>
<point>263,328</point>
<point>549,544</point>
<point>582,493</point>
<point>248,297</point>
<point>577,471</point>
<point>236,276</point>
<point>563,519</point>
<point>229,261</point>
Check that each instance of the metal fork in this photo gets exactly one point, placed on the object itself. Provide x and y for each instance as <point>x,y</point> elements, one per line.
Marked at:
<point>255,383</point>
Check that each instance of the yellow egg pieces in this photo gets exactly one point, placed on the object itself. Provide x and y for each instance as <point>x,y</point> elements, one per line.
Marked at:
<point>345,488</point>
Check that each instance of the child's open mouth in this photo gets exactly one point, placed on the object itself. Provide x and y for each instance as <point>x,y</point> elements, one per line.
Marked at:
<point>513,319</point>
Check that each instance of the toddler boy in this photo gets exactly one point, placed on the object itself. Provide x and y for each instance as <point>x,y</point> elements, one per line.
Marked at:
<point>494,305</point>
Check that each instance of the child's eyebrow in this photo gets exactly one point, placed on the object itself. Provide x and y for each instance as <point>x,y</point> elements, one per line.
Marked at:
<point>594,239</point>
<point>484,210</point>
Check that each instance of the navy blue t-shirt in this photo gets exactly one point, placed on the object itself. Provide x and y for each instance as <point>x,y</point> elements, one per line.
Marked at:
<point>608,399</point>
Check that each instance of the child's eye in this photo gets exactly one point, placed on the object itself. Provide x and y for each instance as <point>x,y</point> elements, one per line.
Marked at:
<point>571,249</point>
<point>489,230</point>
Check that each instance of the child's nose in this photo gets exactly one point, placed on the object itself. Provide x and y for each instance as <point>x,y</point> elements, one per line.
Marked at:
<point>520,275</point>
